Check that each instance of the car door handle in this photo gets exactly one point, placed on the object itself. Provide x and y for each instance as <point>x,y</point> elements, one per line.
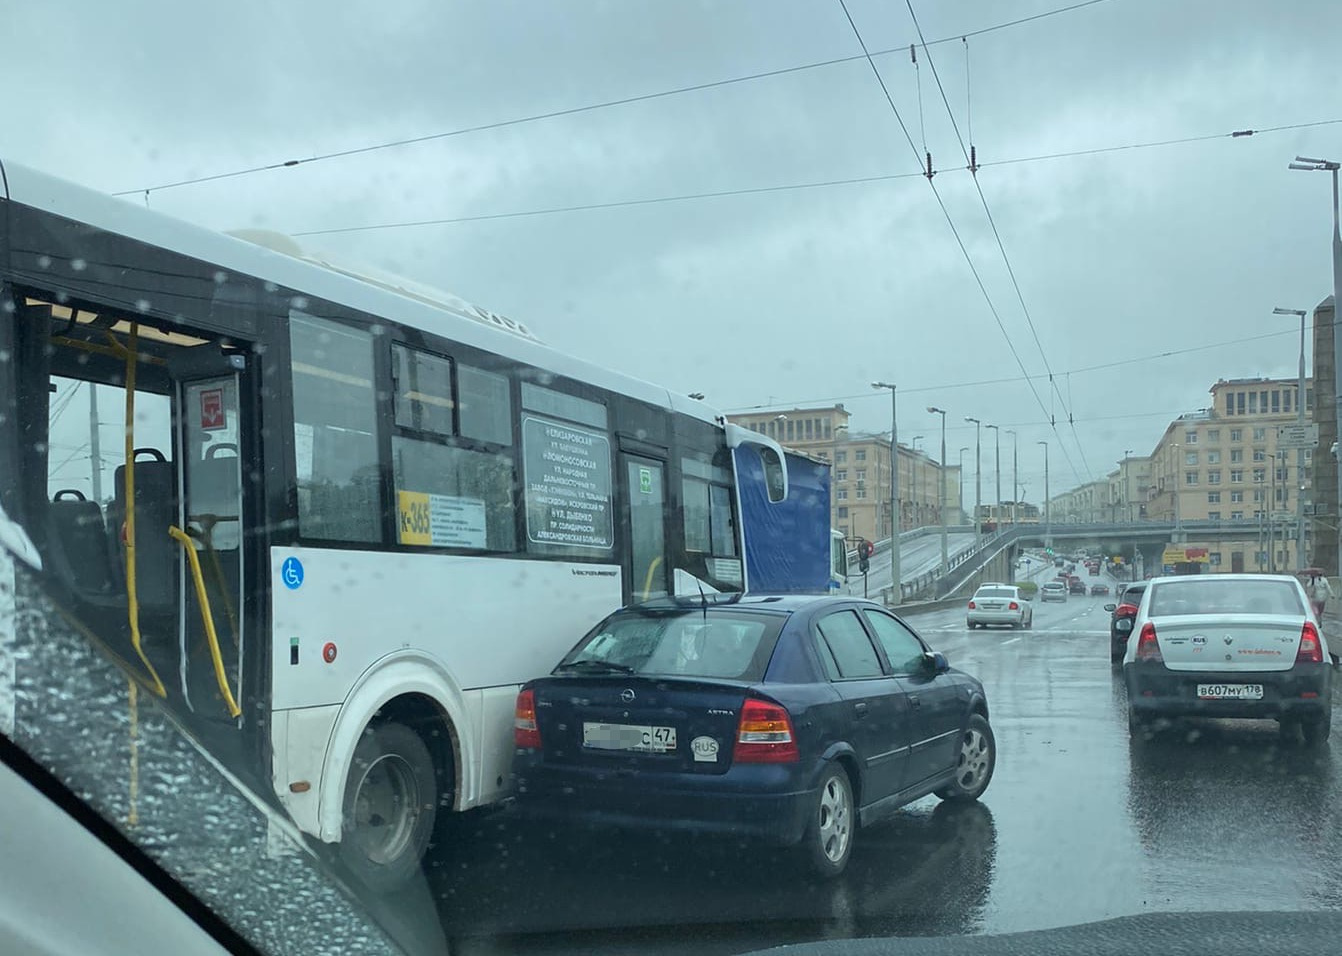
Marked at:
<point>859,710</point>
<point>914,701</point>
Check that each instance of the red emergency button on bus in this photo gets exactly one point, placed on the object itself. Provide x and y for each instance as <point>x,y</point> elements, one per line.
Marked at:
<point>329,652</point>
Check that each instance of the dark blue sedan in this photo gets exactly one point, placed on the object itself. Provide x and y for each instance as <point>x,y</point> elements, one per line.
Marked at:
<point>792,720</point>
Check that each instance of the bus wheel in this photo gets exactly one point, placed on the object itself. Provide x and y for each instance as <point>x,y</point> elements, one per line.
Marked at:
<point>390,806</point>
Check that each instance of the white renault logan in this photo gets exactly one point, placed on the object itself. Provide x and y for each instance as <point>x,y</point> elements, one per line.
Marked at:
<point>1229,645</point>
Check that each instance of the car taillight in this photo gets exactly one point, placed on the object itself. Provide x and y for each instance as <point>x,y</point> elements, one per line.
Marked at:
<point>972,605</point>
<point>1013,606</point>
<point>1311,650</point>
<point>764,734</point>
<point>1123,610</point>
<point>525,732</point>
<point>1148,649</point>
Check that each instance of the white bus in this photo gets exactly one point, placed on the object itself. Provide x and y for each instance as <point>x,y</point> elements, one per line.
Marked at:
<point>332,518</point>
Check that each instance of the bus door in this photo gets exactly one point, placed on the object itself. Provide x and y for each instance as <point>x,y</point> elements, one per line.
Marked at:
<point>647,568</point>
<point>209,535</point>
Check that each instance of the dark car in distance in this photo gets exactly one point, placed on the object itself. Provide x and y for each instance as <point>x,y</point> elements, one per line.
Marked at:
<point>788,720</point>
<point>1076,586</point>
<point>1121,615</point>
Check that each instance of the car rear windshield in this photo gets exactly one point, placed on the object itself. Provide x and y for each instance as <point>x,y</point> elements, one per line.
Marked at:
<point>994,592</point>
<point>1209,596</point>
<point>726,644</point>
<point>1051,586</point>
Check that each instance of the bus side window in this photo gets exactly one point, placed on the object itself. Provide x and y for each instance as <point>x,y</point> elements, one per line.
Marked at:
<point>335,431</point>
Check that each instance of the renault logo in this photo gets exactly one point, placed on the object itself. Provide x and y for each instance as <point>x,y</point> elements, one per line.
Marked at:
<point>627,695</point>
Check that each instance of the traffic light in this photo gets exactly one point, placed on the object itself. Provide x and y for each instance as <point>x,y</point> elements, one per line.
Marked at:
<point>864,551</point>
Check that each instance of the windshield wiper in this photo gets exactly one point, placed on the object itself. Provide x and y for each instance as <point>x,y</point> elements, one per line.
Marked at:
<point>591,663</point>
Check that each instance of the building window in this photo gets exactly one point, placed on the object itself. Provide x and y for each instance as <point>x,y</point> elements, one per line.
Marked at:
<point>1281,476</point>
<point>842,475</point>
<point>1230,403</point>
<point>842,495</point>
<point>1213,477</point>
<point>1253,406</point>
<point>862,493</point>
<point>1236,476</point>
<point>1211,516</point>
<point>1259,434</point>
<point>843,513</point>
<point>862,476</point>
<point>1259,476</point>
<point>1276,407</point>
<point>861,455</point>
<point>791,431</point>
<point>1190,438</point>
<point>1262,401</point>
<point>1309,403</point>
<point>1234,516</point>
<point>1280,496</point>
<point>1213,436</point>
<point>1190,478</point>
<point>1213,558</point>
<point>827,434</point>
<point>810,434</point>
<point>1259,454</point>
<point>839,458</point>
<point>1261,556</point>
<point>1257,496</point>
<point>1286,399</point>
<point>1190,458</point>
<point>1236,455</point>
<point>1236,434</point>
<point>1236,497</point>
<point>1213,458</point>
<point>1213,498</point>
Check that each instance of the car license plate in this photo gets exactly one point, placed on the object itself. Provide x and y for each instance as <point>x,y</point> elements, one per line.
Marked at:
<point>639,738</point>
<point>1230,691</point>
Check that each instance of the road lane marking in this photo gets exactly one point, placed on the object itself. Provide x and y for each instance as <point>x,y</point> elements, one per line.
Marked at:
<point>1012,641</point>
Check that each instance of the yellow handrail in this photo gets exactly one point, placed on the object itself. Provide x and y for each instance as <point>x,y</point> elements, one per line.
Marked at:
<point>647,582</point>
<point>128,478</point>
<point>192,559</point>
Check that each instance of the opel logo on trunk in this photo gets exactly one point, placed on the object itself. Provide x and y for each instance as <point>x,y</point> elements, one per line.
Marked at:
<point>627,695</point>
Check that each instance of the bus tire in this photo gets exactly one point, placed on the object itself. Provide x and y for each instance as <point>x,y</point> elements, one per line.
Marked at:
<point>390,807</point>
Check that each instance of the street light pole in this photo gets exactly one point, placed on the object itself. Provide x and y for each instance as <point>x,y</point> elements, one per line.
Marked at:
<point>917,480</point>
<point>978,476</point>
<point>997,505</point>
<point>1048,507</point>
<point>963,449</point>
<point>1127,482</point>
<point>1299,452</point>
<point>1015,463</point>
<point>895,594</point>
<point>941,494</point>
<point>1302,162</point>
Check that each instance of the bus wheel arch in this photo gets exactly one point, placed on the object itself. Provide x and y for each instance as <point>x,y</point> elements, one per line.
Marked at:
<point>410,693</point>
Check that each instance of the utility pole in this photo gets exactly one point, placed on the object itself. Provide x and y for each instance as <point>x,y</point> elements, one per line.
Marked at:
<point>1302,162</point>
<point>997,506</point>
<point>963,449</point>
<point>917,481</point>
<point>978,477</point>
<point>895,593</point>
<point>1015,463</point>
<point>941,492</point>
<point>1048,507</point>
<point>95,446</point>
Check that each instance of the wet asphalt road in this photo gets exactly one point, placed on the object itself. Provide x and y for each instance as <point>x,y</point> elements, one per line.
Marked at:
<point>1080,824</point>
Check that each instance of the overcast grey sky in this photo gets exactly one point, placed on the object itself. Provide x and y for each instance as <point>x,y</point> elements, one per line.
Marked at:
<point>784,297</point>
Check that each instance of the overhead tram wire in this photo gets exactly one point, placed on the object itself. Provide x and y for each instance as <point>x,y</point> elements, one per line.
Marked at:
<point>970,163</point>
<point>951,223</point>
<point>575,110</point>
<point>784,187</point>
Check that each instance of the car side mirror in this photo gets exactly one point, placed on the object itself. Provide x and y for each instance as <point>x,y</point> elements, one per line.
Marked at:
<point>936,662</point>
<point>1111,607</point>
